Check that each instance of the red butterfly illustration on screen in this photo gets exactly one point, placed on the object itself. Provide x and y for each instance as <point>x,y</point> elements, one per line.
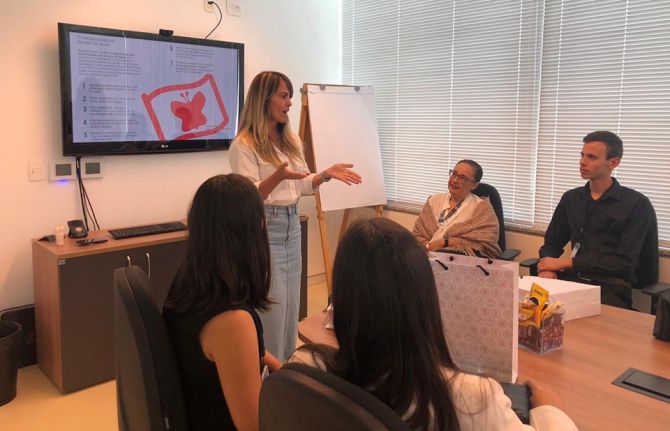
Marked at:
<point>165,108</point>
<point>190,112</point>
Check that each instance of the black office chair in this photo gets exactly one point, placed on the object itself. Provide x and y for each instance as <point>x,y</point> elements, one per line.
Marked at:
<point>148,389</point>
<point>486,190</point>
<point>300,397</point>
<point>646,271</point>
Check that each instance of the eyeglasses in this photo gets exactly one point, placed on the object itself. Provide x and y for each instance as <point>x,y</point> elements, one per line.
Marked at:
<point>459,178</point>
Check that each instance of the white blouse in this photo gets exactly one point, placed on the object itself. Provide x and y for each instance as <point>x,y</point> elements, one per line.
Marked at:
<point>244,160</point>
<point>480,403</point>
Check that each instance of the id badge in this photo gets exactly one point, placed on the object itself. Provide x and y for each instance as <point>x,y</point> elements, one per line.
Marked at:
<point>575,250</point>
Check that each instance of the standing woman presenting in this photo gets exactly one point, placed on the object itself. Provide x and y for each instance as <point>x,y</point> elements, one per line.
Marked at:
<point>267,152</point>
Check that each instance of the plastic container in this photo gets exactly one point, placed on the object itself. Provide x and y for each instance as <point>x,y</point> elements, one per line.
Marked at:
<point>10,343</point>
<point>548,337</point>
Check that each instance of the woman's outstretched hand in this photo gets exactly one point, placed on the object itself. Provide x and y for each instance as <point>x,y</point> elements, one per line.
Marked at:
<point>342,172</point>
<point>285,173</point>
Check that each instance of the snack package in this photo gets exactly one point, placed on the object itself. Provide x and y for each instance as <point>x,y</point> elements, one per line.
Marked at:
<point>539,297</point>
<point>541,326</point>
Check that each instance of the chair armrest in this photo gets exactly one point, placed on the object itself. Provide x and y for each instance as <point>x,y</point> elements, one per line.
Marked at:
<point>509,254</point>
<point>655,288</point>
<point>529,262</point>
<point>449,250</point>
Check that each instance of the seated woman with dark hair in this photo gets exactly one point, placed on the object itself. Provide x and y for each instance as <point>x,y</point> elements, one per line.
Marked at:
<point>391,342</point>
<point>210,310</point>
<point>460,220</point>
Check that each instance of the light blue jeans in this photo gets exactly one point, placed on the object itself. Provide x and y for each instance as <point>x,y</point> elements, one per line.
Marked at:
<point>280,323</point>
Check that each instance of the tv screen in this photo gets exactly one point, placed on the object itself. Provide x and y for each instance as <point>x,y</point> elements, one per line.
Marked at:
<point>125,92</point>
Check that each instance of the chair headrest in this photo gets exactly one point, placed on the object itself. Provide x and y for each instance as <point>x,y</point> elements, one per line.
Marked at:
<point>326,400</point>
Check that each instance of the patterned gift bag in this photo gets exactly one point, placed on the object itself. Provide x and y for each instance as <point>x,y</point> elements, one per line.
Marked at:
<point>479,306</point>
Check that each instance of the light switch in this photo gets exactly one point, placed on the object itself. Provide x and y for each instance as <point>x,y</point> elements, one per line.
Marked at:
<point>36,170</point>
<point>235,7</point>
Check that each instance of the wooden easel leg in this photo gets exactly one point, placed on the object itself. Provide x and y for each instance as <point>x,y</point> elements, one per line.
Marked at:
<point>379,209</point>
<point>325,246</point>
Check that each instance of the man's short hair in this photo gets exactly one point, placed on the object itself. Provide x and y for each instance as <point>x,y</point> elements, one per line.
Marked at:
<point>479,172</point>
<point>611,140</point>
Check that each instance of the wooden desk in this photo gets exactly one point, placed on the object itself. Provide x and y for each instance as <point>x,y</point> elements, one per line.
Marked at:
<point>596,350</point>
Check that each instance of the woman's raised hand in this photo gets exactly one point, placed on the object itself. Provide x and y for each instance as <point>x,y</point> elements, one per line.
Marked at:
<point>342,172</point>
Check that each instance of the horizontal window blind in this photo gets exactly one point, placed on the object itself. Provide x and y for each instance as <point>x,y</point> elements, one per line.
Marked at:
<point>606,66</point>
<point>514,85</point>
<point>453,80</point>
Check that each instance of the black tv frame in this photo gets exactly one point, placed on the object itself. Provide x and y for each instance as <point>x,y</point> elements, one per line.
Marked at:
<point>133,147</point>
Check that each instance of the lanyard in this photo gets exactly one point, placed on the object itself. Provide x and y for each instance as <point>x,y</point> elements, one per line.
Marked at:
<point>451,212</point>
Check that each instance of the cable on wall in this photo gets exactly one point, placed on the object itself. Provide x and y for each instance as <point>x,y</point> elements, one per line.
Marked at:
<point>86,206</point>
<point>220,17</point>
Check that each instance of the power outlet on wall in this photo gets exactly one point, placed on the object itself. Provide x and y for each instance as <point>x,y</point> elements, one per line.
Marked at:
<point>209,7</point>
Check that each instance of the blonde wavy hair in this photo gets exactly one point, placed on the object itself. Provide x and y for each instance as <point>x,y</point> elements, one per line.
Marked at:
<point>254,122</point>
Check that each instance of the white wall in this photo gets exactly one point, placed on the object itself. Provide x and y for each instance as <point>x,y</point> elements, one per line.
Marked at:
<point>297,37</point>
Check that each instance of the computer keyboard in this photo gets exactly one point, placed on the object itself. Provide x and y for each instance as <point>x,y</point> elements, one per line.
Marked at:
<point>150,229</point>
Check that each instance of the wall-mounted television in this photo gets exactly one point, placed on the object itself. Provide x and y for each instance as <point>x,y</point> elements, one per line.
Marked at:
<point>126,92</point>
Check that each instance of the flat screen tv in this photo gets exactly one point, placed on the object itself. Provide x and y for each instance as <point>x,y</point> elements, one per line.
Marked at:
<point>126,92</point>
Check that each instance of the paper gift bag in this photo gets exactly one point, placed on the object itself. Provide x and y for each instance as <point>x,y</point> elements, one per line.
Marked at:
<point>479,307</point>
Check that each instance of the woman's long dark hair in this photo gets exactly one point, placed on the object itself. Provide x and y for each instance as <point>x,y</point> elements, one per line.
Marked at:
<point>228,256</point>
<point>388,325</point>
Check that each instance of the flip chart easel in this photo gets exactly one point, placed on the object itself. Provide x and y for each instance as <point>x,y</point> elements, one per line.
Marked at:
<point>338,125</point>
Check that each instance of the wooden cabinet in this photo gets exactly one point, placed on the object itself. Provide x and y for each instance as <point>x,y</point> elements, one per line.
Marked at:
<point>160,262</point>
<point>74,308</point>
<point>74,299</point>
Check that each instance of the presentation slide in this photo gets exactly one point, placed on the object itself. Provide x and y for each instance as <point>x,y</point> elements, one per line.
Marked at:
<point>126,89</point>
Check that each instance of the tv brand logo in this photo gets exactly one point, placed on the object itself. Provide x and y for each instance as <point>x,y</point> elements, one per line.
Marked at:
<point>187,118</point>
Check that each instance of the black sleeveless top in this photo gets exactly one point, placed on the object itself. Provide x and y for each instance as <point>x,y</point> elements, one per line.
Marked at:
<point>206,407</point>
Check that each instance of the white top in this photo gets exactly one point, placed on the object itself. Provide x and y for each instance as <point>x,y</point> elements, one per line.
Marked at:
<point>245,161</point>
<point>440,204</point>
<point>481,404</point>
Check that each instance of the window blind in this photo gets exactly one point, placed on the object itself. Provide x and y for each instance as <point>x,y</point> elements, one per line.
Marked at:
<point>514,85</point>
<point>453,80</point>
<point>606,66</point>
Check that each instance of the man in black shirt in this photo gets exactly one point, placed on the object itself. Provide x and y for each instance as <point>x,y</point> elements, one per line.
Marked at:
<point>604,221</point>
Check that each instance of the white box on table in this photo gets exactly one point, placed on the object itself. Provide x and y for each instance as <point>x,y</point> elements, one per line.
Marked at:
<point>580,300</point>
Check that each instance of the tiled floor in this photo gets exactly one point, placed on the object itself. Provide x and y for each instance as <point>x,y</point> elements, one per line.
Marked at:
<point>39,406</point>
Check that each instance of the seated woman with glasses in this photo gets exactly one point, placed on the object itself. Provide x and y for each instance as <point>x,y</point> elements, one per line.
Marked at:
<point>458,220</point>
<point>388,327</point>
